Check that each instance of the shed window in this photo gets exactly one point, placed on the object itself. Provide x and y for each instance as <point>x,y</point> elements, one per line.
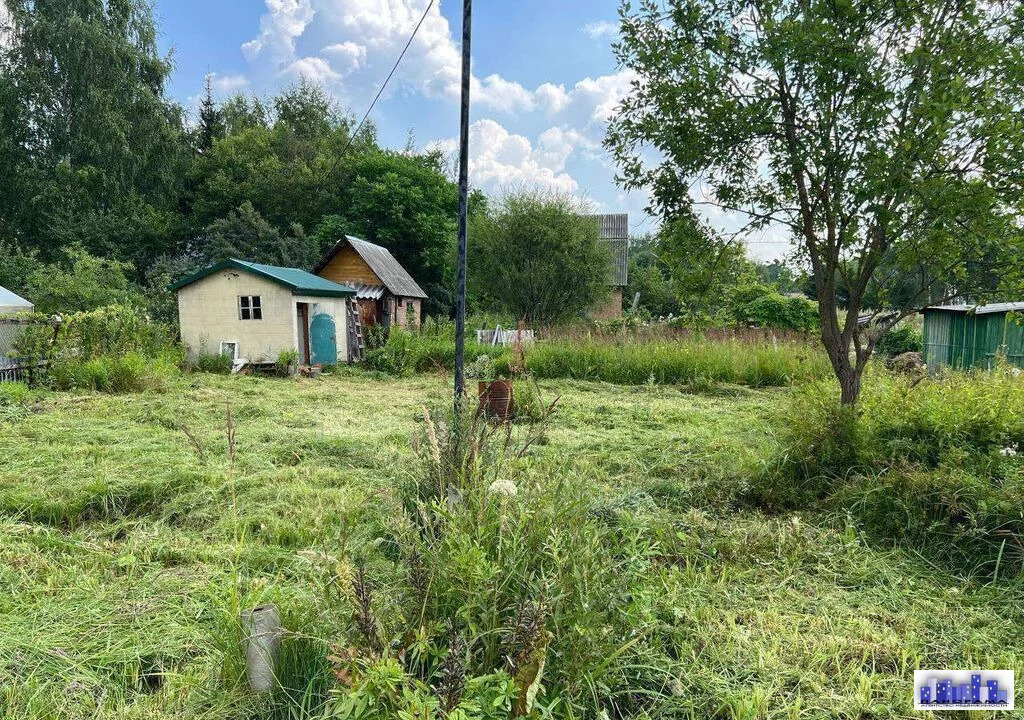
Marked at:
<point>249,307</point>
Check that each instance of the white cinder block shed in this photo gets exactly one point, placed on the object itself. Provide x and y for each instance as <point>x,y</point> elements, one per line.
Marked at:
<point>253,312</point>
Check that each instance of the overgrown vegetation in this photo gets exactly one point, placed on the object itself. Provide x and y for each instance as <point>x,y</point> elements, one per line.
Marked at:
<point>111,349</point>
<point>629,358</point>
<point>621,545</point>
<point>929,463</point>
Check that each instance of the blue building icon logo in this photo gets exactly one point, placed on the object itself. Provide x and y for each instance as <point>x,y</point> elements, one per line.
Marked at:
<point>963,690</point>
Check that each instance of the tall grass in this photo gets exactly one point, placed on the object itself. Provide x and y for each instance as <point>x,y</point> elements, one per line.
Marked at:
<point>507,579</point>
<point>694,360</point>
<point>937,463</point>
<point>691,361</point>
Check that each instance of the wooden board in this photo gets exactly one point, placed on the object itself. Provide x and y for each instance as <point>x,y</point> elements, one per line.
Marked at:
<point>348,267</point>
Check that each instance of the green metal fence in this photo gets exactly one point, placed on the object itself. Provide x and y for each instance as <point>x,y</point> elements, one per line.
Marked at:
<point>964,338</point>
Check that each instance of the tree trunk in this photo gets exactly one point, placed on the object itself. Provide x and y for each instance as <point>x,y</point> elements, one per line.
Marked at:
<point>849,385</point>
<point>838,348</point>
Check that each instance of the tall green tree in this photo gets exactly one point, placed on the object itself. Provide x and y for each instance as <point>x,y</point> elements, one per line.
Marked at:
<point>883,134</point>
<point>211,121</point>
<point>87,130</point>
<point>537,256</point>
<point>245,235</point>
<point>406,203</point>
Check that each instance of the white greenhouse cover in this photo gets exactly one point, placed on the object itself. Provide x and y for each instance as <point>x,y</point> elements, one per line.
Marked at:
<point>11,303</point>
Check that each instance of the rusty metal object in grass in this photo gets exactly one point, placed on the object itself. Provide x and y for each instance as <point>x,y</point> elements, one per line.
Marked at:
<point>496,399</point>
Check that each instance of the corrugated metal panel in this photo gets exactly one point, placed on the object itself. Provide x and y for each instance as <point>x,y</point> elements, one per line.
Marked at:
<point>964,340</point>
<point>614,226</point>
<point>620,261</point>
<point>382,262</point>
<point>937,340</point>
<point>1013,339</point>
<point>999,308</point>
<point>369,292</point>
<point>300,281</point>
<point>982,309</point>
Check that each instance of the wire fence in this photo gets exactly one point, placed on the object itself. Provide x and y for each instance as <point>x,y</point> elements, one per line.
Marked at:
<point>12,367</point>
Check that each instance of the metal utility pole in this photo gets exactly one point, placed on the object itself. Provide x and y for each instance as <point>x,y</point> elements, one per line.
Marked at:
<point>460,298</point>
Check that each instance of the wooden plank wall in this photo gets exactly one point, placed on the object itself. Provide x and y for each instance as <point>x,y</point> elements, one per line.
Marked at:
<point>348,267</point>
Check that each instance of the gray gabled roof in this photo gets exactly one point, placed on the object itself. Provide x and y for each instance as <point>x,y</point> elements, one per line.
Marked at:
<point>613,226</point>
<point>382,262</point>
<point>614,229</point>
<point>10,302</point>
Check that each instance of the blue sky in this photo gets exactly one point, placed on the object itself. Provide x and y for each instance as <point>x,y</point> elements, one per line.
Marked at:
<point>545,78</point>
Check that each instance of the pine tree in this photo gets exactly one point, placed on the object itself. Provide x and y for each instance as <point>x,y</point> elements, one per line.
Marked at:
<point>211,121</point>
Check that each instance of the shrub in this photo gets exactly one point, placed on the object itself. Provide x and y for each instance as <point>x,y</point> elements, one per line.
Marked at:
<point>903,338</point>
<point>934,463</point>
<point>778,311</point>
<point>406,352</point>
<point>218,363</point>
<point>132,372</point>
<point>394,356</point>
<point>287,361</point>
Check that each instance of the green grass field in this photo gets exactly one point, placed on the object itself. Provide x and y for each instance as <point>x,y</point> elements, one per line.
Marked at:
<point>132,532</point>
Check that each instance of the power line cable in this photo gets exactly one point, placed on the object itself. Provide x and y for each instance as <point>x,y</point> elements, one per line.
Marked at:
<point>380,92</point>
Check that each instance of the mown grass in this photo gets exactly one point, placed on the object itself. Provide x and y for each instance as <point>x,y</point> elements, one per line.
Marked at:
<point>131,535</point>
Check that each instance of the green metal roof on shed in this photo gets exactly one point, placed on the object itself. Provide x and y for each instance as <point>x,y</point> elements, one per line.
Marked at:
<point>300,281</point>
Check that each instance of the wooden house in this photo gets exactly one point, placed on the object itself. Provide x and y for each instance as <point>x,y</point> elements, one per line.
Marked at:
<point>253,312</point>
<point>386,293</point>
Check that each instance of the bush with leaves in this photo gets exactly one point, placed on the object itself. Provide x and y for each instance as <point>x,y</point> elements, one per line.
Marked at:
<point>762,306</point>
<point>903,338</point>
<point>111,349</point>
<point>933,462</point>
<point>81,282</point>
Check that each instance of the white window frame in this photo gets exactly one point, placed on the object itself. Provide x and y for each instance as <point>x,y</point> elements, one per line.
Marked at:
<point>252,307</point>
<point>233,344</point>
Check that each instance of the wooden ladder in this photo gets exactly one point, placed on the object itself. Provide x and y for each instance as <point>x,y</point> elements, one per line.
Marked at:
<point>356,341</point>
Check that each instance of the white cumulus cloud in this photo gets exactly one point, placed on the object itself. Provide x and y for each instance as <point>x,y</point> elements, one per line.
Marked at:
<point>349,46</point>
<point>330,40</point>
<point>601,29</point>
<point>499,159</point>
<point>227,84</point>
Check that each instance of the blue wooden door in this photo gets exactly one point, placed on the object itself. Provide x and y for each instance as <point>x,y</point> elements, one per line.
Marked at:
<point>323,340</point>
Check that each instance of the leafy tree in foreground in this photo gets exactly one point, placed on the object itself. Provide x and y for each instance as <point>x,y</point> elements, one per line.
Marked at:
<point>538,256</point>
<point>883,134</point>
